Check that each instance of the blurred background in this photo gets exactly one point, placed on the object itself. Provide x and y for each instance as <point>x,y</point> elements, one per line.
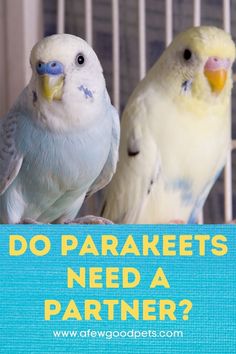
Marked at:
<point>128,36</point>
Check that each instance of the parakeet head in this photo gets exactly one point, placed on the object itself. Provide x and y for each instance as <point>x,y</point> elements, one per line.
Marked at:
<point>67,77</point>
<point>198,62</point>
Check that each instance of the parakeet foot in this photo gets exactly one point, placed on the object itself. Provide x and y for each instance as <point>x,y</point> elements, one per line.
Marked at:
<point>90,219</point>
<point>30,221</point>
<point>176,221</point>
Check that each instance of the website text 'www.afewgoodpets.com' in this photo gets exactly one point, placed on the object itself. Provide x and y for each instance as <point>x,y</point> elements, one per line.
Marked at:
<point>135,334</point>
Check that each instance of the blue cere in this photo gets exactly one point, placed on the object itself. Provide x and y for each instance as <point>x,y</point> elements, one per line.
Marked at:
<point>54,68</point>
<point>51,68</point>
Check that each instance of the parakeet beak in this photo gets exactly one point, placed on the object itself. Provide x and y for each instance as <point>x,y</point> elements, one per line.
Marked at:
<point>216,70</point>
<point>51,77</point>
<point>52,86</point>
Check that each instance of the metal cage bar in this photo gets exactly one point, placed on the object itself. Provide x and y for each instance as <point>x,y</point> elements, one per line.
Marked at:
<point>169,21</point>
<point>116,53</point>
<point>228,168</point>
<point>142,38</point>
<point>197,22</point>
<point>196,12</point>
<point>89,21</point>
<point>60,16</point>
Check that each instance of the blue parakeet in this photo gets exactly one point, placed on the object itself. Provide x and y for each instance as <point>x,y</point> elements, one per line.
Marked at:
<point>59,142</point>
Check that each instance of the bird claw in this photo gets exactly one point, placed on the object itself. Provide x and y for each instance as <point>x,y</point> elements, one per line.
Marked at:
<point>176,221</point>
<point>90,219</point>
<point>30,221</point>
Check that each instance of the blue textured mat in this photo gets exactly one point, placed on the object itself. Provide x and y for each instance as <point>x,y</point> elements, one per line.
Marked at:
<point>208,281</point>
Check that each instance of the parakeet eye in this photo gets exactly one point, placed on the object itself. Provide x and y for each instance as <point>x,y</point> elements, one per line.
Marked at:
<point>187,54</point>
<point>40,67</point>
<point>80,59</point>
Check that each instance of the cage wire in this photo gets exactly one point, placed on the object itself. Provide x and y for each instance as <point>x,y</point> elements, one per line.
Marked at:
<point>128,37</point>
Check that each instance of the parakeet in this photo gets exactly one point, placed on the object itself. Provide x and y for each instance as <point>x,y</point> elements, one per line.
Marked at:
<point>175,132</point>
<point>59,142</point>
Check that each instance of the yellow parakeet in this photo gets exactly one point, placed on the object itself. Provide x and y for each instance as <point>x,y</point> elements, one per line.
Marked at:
<point>175,132</point>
